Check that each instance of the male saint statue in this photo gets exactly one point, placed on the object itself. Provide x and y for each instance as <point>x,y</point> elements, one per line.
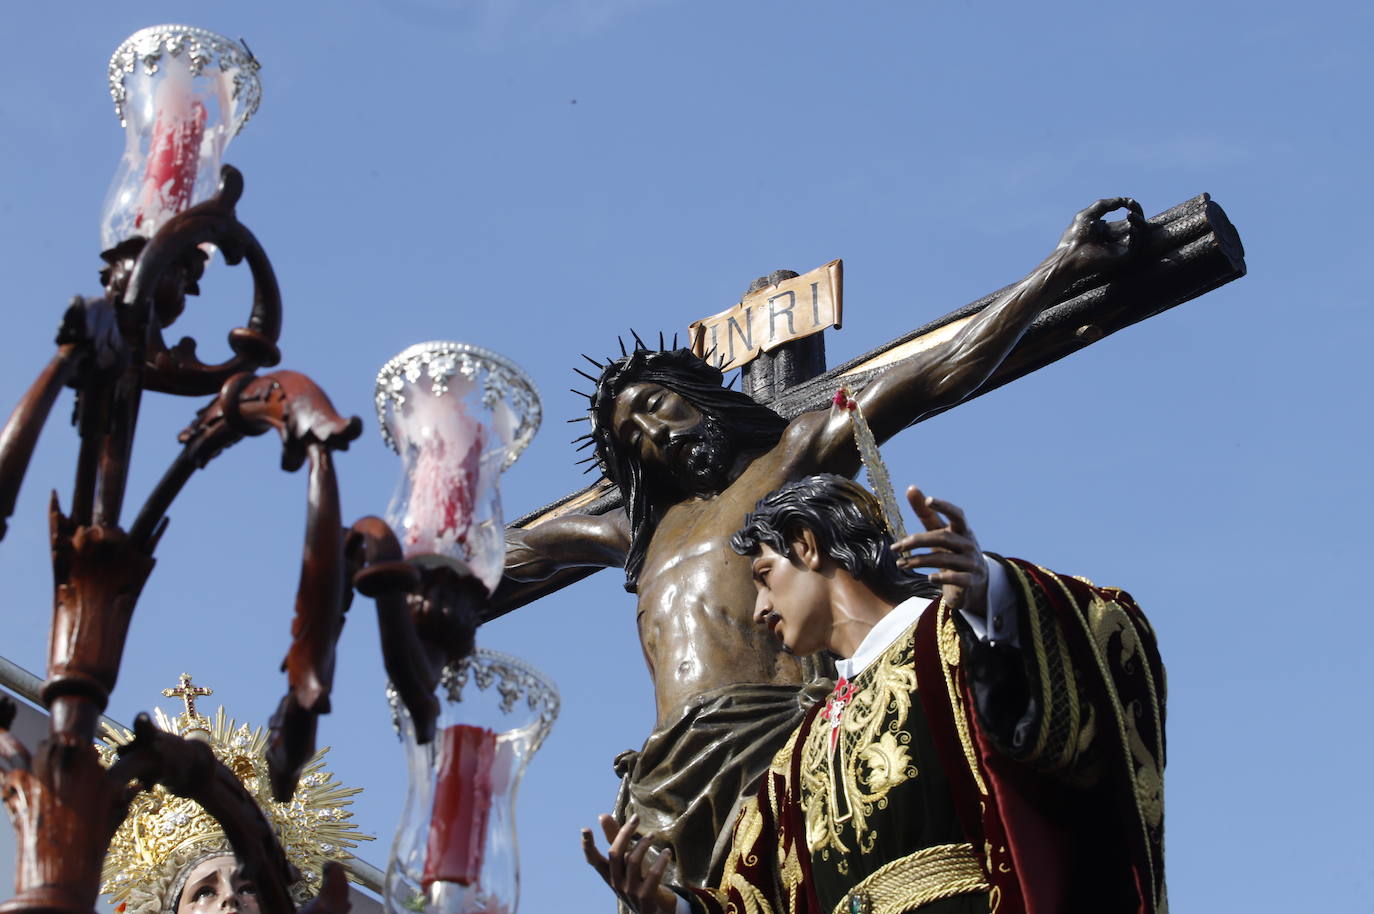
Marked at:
<point>993,744</point>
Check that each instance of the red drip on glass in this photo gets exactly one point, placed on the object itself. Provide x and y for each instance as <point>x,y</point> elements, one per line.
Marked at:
<point>445,487</point>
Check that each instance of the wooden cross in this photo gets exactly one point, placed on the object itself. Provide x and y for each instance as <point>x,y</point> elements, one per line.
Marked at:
<point>1188,250</point>
<point>188,693</point>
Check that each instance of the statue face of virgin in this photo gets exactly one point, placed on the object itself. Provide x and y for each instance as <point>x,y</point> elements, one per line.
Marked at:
<point>213,887</point>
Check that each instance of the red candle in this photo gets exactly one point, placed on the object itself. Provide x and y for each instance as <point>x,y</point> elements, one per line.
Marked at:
<point>173,158</point>
<point>462,805</point>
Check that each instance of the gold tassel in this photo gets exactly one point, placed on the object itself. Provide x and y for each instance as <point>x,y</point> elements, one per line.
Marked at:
<point>878,479</point>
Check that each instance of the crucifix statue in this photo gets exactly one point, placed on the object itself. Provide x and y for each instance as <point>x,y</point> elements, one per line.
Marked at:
<point>684,458</point>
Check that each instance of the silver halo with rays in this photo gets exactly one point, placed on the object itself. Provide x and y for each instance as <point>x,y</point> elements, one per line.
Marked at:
<point>163,832</point>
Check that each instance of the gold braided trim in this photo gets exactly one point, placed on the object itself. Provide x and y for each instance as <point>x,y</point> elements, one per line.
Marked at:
<point>1098,610</point>
<point>1046,636</point>
<point>947,639</point>
<point>928,875</point>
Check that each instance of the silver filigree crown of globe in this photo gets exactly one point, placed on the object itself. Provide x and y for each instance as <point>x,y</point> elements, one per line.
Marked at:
<point>515,680</point>
<point>202,48</point>
<point>440,361</point>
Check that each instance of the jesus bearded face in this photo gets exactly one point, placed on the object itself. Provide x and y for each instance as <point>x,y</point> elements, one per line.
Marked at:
<point>674,440</point>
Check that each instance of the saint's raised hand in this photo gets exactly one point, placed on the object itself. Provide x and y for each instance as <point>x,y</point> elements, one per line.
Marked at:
<point>635,881</point>
<point>1090,245</point>
<point>961,571</point>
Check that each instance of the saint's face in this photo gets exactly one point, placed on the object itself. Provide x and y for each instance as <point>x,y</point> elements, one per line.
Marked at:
<point>212,888</point>
<point>659,426</point>
<point>792,600</point>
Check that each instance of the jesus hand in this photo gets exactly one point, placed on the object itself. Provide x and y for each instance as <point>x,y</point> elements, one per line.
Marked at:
<point>635,882</point>
<point>963,572</point>
<point>1090,245</point>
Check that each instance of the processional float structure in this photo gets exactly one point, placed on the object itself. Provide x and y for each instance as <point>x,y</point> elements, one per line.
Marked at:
<point>457,414</point>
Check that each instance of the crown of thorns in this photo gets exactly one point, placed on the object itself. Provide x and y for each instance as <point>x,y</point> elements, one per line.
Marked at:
<point>617,373</point>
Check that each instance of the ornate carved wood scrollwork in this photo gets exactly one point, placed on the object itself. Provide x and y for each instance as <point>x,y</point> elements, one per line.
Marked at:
<point>178,370</point>
<point>64,805</point>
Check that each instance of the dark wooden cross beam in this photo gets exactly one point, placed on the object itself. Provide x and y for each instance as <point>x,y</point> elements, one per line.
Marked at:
<point>1189,250</point>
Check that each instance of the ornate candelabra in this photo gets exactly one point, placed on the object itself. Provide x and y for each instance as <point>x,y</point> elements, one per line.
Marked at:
<point>458,416</point>
<point>455,846</point>
<point>182,94</point>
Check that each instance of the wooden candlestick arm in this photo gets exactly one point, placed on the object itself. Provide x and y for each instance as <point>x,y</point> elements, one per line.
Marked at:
<point>310,429</point>
<point>427,616</point>
<point>378,570</point>
<point>98,574</point>
<point>178,370</point>
<point>64,805</point>
<point>89,348</point>
<point>20,434</point>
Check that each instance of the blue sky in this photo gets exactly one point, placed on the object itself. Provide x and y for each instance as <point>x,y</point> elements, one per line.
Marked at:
<point>535,176</point>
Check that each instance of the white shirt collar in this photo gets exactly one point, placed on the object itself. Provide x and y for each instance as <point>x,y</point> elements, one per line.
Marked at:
<point>880,637</point>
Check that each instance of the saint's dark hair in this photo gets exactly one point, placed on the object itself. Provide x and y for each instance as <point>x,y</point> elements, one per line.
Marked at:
<point>749,426</point>
<point>848,524</point>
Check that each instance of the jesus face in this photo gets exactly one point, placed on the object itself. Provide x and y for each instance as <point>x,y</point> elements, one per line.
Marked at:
<point>671,437</point>
<point>213,887</point>
<point>792,601</point>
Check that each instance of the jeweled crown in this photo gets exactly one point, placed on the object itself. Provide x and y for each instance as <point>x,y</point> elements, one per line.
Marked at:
<point>163,833</point>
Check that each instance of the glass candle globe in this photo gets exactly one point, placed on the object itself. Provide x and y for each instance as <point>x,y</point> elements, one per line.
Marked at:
<point>455,850</point>
<point>458,415</point>
<point>182,94</point>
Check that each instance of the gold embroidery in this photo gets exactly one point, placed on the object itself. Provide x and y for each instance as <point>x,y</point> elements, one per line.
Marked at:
<point>920,878</point>
<point>747,832</point>
<point>872,756</point>
<point>1149,793</point>
<point>783,760</point>
<point>1104,618</point>
<point>1110,621</point>
<point>754,900</point>
<point>748,828</point>
<point>990,862</point>
<point>949,654</point>
<point>888,761</point>
<point>791,874</point>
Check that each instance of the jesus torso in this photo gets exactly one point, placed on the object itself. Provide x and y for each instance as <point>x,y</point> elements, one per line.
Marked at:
<point>696,596</point>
